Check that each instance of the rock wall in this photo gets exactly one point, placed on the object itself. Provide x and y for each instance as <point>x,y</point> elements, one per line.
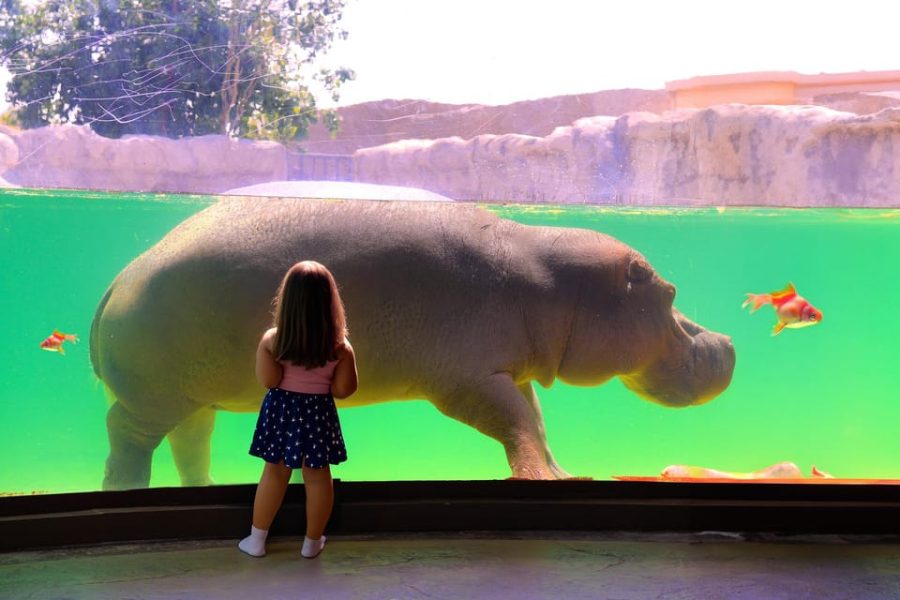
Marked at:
<point>385,121</point>
<point>724,155</point>
<point>861,103</point>
<point>70,156</point>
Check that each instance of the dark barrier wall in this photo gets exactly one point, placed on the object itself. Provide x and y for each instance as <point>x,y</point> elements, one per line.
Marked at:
<point>754,509</point>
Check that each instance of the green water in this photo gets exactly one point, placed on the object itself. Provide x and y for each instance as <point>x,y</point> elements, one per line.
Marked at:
<point>826,395</point>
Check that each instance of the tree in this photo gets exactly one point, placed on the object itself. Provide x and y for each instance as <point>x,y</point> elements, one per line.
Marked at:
<point>171,67</point>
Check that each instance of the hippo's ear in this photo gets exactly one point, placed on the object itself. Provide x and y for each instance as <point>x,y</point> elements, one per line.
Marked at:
<point>639,270</point>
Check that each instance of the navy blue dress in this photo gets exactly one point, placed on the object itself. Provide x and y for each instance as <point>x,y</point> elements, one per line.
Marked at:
<point>295,426</point>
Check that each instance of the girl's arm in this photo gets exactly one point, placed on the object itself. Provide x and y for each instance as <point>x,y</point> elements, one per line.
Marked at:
<point>346,379</point>
<point>268,371</point>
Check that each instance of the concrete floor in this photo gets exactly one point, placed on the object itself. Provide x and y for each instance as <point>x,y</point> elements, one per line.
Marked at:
<point>446,566</point>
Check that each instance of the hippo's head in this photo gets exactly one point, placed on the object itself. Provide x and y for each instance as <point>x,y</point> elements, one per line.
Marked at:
<point>625,325</point>
<point>694,367</point>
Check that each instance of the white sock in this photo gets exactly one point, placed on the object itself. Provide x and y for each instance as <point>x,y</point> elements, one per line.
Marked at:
<point>255,543</point>
<point>312,548</point>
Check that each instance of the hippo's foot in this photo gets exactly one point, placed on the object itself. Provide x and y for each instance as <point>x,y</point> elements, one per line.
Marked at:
<point>559,472</point>
<point>532,471</point>
<point>204,482</point>
<point>556,472</point>
<point>127,467</point>
<point>510,414</point>
<point>133,439</point>
<point>127,472</point>
<point>536,472</point>
<point>539,469</point>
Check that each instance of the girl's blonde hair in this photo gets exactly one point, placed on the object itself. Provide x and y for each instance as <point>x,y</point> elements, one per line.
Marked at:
<point>309,315</point>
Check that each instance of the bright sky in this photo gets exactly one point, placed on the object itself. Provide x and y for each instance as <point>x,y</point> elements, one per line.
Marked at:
<point>500,51</point>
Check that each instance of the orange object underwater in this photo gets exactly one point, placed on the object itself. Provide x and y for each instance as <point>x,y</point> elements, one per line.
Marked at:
<point>791,309</point>
<point>802,480</point>
<point>785,472</point>
<point>54,342</point>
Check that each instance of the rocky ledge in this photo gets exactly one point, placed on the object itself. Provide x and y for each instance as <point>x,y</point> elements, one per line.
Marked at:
<point>725,155</point>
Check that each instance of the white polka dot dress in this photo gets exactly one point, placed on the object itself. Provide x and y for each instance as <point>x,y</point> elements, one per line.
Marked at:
<point>299,429</point>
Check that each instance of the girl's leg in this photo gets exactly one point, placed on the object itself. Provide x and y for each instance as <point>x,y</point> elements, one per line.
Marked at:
<point>269,495</point>
<point>319,501</point>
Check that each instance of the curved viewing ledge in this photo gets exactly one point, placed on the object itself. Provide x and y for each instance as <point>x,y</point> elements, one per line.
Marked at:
<point>31,522</point>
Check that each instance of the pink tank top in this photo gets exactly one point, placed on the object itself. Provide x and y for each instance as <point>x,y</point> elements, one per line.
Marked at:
<point>297,378</point>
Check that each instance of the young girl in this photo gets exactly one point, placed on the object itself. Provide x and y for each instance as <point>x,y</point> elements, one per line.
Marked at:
<point>306,360</point>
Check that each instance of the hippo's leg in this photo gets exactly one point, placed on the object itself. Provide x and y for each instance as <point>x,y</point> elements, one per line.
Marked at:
<point>527,391</point>
<point>497,408</point>
<point>131,449</point>
<point>132,439</point>
<point>190,442</point>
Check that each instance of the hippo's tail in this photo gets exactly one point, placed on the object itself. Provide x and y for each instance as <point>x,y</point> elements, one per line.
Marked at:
<point>95,334</point>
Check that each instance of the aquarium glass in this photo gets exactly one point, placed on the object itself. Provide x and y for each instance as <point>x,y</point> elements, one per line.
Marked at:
<point>738,157</point>
<point>822,395</point>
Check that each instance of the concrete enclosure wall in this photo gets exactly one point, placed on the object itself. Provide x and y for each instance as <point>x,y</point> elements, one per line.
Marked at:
<point>70,156</point>
<point>726,155</point>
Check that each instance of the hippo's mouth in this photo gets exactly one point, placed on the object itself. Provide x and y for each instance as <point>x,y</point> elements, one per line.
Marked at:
<point>695,366</point>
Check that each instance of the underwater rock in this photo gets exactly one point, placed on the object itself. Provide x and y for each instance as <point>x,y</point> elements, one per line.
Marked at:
<point>445,302</point>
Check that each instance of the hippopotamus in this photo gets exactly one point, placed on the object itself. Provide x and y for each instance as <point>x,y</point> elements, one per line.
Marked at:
<point>445,302</point>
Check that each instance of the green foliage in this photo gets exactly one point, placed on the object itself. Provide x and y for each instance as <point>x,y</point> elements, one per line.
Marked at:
<point>10,119</point>
<point>171,67</point>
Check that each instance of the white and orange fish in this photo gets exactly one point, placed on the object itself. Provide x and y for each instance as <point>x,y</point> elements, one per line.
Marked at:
<point>55,341</point>
<point>791,309</point>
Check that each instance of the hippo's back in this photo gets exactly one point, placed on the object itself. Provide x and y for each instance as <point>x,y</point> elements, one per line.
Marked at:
<point>191,308</point>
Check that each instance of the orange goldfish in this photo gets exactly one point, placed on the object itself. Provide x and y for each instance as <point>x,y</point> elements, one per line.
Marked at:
<point>791,309</point>
<point>55,341</point>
